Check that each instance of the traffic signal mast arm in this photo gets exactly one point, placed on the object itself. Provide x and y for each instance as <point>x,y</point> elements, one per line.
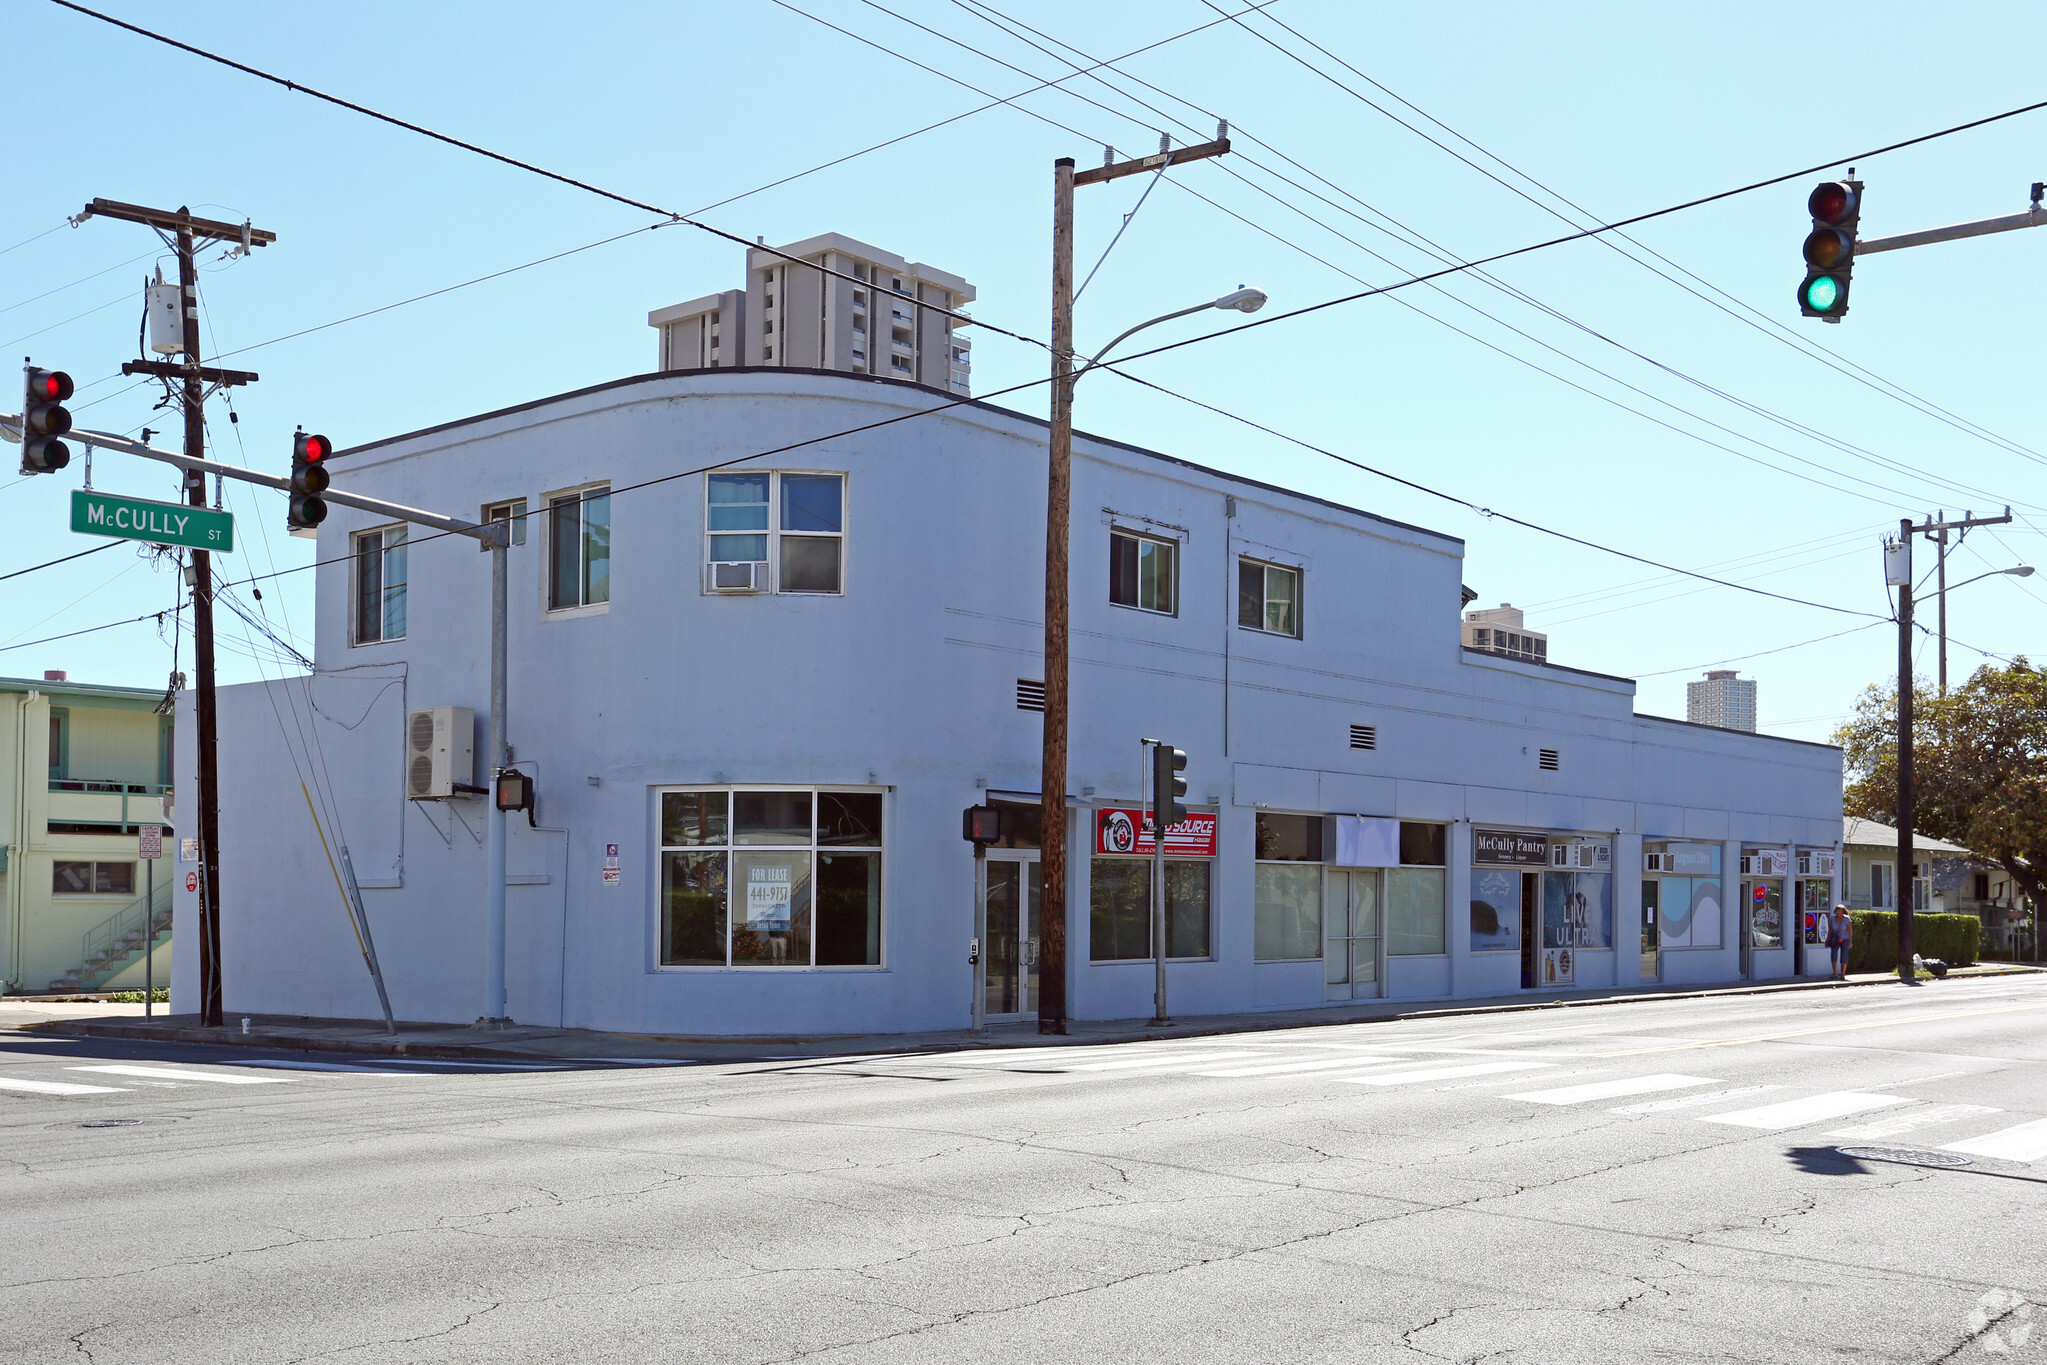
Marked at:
<point>2036,216</point>
<point>489,533</point>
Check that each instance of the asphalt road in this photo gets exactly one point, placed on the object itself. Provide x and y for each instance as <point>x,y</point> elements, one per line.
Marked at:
<point>1651,1181</point>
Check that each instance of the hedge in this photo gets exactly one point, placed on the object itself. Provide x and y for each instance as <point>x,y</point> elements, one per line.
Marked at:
<point>1953,939</point>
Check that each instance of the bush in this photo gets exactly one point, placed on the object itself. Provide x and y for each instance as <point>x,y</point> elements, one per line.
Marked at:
<point>1951,938</point>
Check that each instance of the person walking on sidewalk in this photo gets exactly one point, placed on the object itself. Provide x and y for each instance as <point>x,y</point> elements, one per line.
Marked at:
<point>1840,933</point>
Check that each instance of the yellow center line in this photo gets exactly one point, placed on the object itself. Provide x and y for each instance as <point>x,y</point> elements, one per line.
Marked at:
<point>1810,1032</point>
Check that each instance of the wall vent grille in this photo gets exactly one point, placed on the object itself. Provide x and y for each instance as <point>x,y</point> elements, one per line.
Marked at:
<point>1364,736</point>
<point>1547,760</point>
<point>1030,696</point>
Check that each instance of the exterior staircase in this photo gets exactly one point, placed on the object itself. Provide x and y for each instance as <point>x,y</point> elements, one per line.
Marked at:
<point>117,941</point>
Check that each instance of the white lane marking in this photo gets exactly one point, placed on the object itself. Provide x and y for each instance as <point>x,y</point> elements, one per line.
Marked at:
<point>1923,1117</point>
<point>472,1066</point>
<point>1610,1090</point>
<point>172,1073</point>
<point>1812,1109</point>
<point>1693,1101</point>
<point>1443,1073</point>
<point>1285,1068</point>
<point>58,1087</point>
<point>2024,1142</point>
<point>347,1068</point>
<point>1159,1059</point>
<point>1010,1056</point>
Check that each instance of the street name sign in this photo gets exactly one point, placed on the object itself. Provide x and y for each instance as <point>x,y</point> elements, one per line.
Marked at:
<point>160,523</point>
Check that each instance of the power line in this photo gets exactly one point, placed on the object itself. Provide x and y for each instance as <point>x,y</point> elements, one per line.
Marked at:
<point>641,204</point>
<point>75,283</point>
<point>156,616</point>
<point>1830,482</point>
<point>1760,321</point>
<point>1762,653</point>
<point>65,560</point>
<point>37,238</point>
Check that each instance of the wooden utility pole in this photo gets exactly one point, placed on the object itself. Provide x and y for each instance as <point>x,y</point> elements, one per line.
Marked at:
<point>194,378</point>
<point>1058,523</point>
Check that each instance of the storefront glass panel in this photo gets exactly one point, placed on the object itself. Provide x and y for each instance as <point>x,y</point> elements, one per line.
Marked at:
<point>1120,909</point>
<point>1414,910</point>
<point>771,920</point>
<point>1288,911</point>
<point>693,909</point>
<point>1495,910</point>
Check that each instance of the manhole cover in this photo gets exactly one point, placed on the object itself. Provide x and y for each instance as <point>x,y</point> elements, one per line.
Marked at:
<point>1904,1155</point>
<point>110,1123</point>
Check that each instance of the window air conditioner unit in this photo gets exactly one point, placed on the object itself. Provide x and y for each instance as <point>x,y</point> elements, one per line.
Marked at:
<point>1816,864</point>
<point>1560,855</point>
<point>1659,862</point>
<point>439,751</point>
<point>1753,865</point>
<point>737,576</point>
<point>1593,857</point>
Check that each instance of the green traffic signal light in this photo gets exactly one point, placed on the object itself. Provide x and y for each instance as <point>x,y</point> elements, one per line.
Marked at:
<point>1821,293</point>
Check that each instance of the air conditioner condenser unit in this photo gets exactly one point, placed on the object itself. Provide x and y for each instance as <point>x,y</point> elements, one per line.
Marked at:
<point>440,752</point>
<point>736,576</point>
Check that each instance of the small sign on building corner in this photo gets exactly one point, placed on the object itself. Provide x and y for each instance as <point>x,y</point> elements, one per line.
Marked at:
<point>611,876</point>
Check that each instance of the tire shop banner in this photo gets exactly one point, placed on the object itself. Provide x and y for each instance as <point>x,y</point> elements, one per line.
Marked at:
<point>1120,831</point>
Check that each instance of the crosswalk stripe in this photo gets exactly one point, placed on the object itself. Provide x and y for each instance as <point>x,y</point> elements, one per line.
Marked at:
<point>58,1087</point>
<point>1011,1056</point>
<point>1443,1073</point>
<point>1924,1117</point>
<point>167,1073</point>
<point>1812,1109</point>
<point>2023,1142</point>
<point>1693,1101</point>
<point>1608,1090</point>
<point>1289,1068</point>
<point>347,1068</point>
<point>1159,1059</point>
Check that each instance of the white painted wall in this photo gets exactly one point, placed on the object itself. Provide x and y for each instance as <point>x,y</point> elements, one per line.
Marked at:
<point>907,681</point>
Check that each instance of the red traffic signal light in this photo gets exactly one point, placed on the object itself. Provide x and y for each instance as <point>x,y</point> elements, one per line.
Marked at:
<point>43,420</point>
<point>49,386</point>
<point>308,481</point>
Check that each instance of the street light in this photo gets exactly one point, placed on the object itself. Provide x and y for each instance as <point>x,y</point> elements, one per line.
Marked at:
<point>1241,299</point>
<point>2015,571</point>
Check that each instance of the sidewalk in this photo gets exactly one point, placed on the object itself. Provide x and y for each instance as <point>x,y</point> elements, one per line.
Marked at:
<point>533,1043</point>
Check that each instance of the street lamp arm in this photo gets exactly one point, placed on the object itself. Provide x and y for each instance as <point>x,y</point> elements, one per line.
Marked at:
<point>1124,336</point>
<point>2016,571</point>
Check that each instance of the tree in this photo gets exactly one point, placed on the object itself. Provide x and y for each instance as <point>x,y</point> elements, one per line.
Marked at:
<point>1979,760</point>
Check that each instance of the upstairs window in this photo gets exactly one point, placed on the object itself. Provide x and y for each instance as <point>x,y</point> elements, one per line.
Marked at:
<point>1268,597</point>
<point>513,511</point>
<point>380,585</point>
<point>579,548</point>
<point>793,526</point>
<point>1142,572</point>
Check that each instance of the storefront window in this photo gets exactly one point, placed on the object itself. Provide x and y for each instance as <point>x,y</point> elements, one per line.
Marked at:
<point>1414,911</point>
<point>1687,906</point>
<point>1577,910</point>
<point>1289,912</point>
<point>1120,914</point>
<point>1495,910</point>
<point>770,878</point>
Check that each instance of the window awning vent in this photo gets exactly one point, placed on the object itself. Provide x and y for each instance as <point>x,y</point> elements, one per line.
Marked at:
<point>1364,736</point>
<point>1030,696</point>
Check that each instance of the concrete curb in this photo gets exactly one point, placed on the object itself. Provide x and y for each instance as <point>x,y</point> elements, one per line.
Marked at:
<point>1083,1034</point>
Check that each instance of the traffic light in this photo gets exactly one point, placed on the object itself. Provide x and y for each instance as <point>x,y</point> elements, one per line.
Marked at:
<point>1836,207</point>
<point>308,481</point>
<point>43,420</point>
<point>1167,787</point>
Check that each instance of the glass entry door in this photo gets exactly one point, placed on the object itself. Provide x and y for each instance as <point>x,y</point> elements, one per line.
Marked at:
<point>1652,966</point>
<point>1009,972</point>
<point>1350,929</point>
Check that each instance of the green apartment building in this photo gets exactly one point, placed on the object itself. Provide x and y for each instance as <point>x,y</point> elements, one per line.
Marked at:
<point>81,768</point>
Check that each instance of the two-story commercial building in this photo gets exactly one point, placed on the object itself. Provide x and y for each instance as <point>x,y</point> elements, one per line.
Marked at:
<point>82,767</point>
<point>773,630</point>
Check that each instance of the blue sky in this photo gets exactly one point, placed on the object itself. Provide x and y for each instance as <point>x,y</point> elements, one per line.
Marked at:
<point>1743,454</point>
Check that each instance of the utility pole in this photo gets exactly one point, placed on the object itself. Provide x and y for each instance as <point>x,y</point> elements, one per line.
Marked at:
<point>1907,881</point>
<point>192,398</point>
<point>1938,531</point>
<point>1058,524</point>
<point>1904,879</point>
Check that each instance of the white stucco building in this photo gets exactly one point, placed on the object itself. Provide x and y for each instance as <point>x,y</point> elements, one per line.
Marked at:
<point>777,759</point>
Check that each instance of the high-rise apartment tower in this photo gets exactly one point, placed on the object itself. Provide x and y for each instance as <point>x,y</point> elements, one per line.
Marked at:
<point>892,317</point>
<point>1722,699</point>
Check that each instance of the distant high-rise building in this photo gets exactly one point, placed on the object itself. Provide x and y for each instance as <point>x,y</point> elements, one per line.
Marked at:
<point>1498,630</point>
<point>1723,700</point>
<point>891,318</point>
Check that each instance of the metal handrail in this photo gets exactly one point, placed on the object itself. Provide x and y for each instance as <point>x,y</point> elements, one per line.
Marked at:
<point>127,920</point>
<point>109,785</point>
